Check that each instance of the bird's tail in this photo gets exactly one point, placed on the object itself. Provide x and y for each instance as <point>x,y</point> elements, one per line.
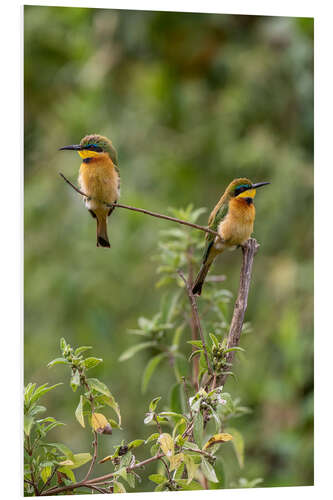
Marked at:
<point>200,279</point>
<point>102,234</point>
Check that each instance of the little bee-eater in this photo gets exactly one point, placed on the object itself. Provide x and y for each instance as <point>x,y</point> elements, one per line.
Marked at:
<point>99,179</point>
<point>233,219</point>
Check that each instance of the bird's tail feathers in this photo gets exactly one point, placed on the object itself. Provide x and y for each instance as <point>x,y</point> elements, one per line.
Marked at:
<point>102,234</point>
<point>200,279</point>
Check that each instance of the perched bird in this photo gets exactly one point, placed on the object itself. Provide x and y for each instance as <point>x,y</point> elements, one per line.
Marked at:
<point>99,179</point>
<point>232,218</point>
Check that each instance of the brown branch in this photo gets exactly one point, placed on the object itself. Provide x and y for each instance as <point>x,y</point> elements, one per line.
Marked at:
<point>194,308</point>
<point>144,211</point>
<point>249,250</point>
<point>92,463</point>
<point>92,482</point>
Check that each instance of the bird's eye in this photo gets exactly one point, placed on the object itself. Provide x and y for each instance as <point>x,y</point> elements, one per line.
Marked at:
<point>94,147</point>
<point>241,189</point>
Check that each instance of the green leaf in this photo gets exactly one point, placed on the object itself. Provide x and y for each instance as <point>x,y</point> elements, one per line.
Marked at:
<point>81,459</point>
<point>136,348</point>
<point>77,460</point>
<point>176,398</point>
<point>63,344</point>
<point>45,473</point>
<point>191,467</point>
<point>157,478</point>
<point>149,370</point>
<point>99,386</point>
<point>148,418</point>
<point>63,449</point>
<point>81,349</point>
<point>198,429</point>
<point>58,361</point>
<point>75,381</point>
<point>79,412</point>
<point>28,423</point>
<point>193,485</point>
<point>220,474</point>
<point>69,473</point>
<point>43,389</point>
<point>118,487</point>
<point>135,443</point>
<point>208,471</point>
<point>196,343</point>
<point>214,339</point>
<point>152,437</point>
<point>36,409</point>
<point>195,353</point>
<point>153,403</point>
<point>91,362</point>
<point>238,444</point>
<point>236,348</point>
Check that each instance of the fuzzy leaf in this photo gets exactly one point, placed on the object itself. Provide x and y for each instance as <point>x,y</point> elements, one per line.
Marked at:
<point>100,424</point>
<point>198,429</point>
<point>28,423</point>
<point>167,444</point>
<point>218,438</point>
<point>91,362</point>
<point>149,370</point>
<point>157,478</point>
<point>238,444</point>
<point>58,361</point>
<point>136,348</point>
<point>153,403</point>
<point>79,412</point>
<point>208,471</point>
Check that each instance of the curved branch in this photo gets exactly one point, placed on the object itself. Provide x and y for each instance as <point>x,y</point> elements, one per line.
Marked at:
<point>249,250</point>
<point>144,211</point>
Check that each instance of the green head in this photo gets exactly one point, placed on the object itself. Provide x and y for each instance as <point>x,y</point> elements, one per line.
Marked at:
<point>243,188</point>
<point>94,145</point>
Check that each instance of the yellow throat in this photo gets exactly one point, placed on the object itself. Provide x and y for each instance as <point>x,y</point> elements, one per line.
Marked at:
<point>249,193</point>
<point>85,153</point>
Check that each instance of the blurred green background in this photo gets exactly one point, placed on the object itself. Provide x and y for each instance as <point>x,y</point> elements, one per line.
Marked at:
<point>190,101</point>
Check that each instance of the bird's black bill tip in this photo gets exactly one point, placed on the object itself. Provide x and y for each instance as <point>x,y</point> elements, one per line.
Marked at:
<point>259,184</point>
<point>72,147</point>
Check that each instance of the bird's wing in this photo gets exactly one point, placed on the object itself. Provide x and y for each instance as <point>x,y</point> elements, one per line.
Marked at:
<point>214,220</point>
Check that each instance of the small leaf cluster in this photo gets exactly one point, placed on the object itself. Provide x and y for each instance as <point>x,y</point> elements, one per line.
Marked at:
<point>45,463</point>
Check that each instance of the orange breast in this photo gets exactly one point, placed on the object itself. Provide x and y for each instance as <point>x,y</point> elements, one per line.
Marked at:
<point>99,179</point>
<point>237,227</point>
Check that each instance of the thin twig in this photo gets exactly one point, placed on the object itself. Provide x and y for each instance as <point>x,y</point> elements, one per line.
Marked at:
<point>143,211</point>
<point>194,307</point>
<point>158,424</point>
<point>249,250</point>
<point>187,398</point>
<point>82,484</point>
<point>92,463</point>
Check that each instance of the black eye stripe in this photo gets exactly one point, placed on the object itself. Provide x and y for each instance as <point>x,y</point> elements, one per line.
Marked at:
<point>241,189</point>
<point>94,147</point>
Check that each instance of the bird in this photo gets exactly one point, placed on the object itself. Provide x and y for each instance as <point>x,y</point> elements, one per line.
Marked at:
<point>232,218</point>
<point>99,179</point>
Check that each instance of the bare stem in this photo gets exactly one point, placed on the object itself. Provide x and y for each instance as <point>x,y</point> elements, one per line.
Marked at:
<point>144,211</point>
<point>92,463</point>
<point>92,482</point>
<point>249,250</point>
<point>194,308</point>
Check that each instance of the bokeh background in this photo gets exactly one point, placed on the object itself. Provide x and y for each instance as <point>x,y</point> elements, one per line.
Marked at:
<point>190,101</point>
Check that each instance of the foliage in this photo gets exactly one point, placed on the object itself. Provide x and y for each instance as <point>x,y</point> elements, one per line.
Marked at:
<point>190,102</point>
<point>190,430</point>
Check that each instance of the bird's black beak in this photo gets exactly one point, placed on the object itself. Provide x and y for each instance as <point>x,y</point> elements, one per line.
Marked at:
<point>73,147</point>
<point>259,184</point>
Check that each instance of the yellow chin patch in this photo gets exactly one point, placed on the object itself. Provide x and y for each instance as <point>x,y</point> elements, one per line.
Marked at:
<point>249,193</point>
<point>86,153</point>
